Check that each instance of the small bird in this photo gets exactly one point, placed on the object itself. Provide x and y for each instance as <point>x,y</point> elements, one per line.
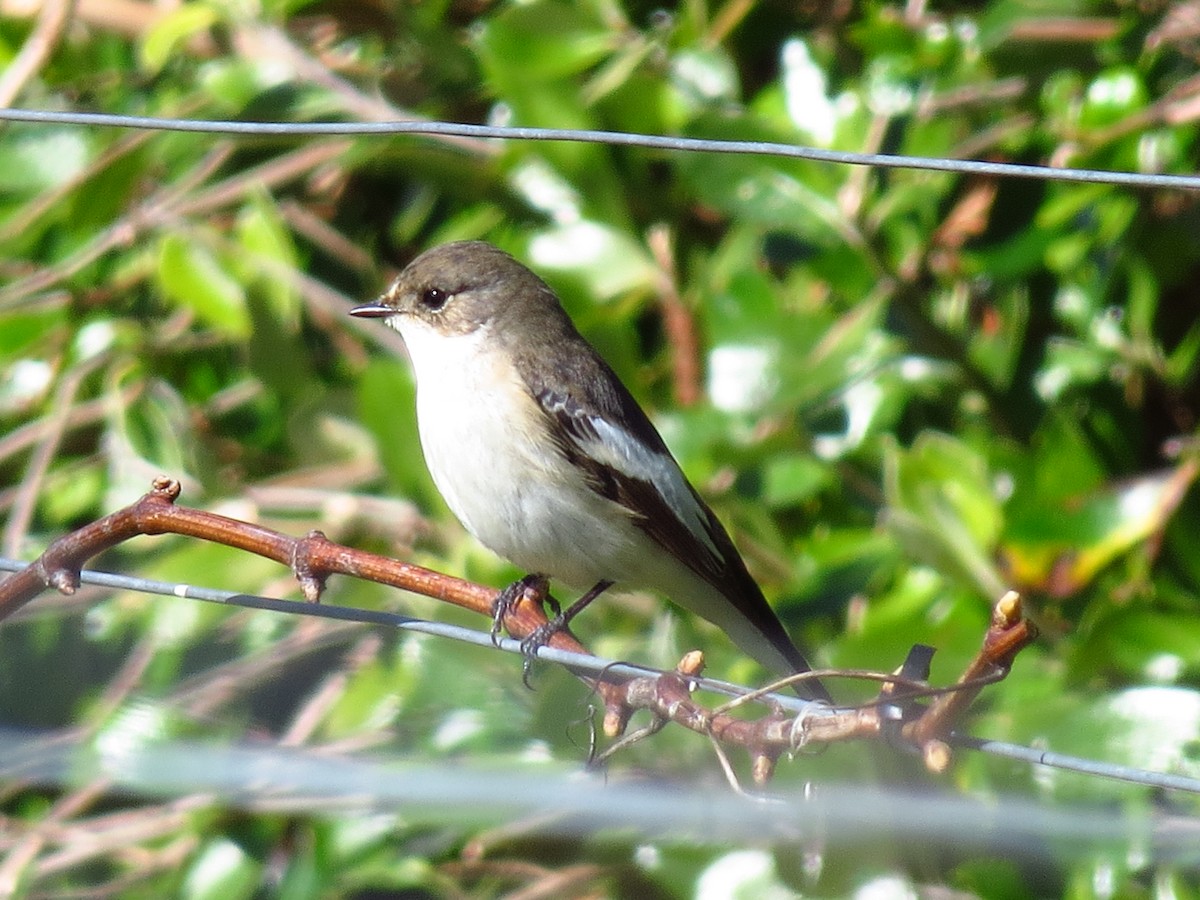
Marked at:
<point>545,457</point>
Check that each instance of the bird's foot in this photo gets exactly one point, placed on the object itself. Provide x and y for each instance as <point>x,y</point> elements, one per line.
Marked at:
<point>543,634</point>
<point>535,641</point>
<point>534,585</point>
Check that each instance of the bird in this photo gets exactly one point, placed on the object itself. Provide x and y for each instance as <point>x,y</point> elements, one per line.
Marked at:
<point>545,457</point>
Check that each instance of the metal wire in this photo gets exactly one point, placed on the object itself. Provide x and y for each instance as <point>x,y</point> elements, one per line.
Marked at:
<point>617,138</point>
<point>578,662</point>
<point>575,661</point>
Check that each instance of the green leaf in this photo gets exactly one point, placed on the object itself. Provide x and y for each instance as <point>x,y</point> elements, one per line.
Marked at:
<point>533,42</point>
<point>34,159</point>
<point>261,231</point>
<point>167,32</point>
<point>779,194</point>
<point>387,407</point>
<point>1112,96</point>
<point>791,479</point>
<point>1144,643</point>
<point>193,278</point>
<point>221,870</point>
<point>607,261</point>
<point>1060,544</point>
<point>1149,728</point>
<point>942,508</point>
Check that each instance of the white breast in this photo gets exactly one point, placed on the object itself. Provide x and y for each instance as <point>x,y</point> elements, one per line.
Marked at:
<point>487,447</point>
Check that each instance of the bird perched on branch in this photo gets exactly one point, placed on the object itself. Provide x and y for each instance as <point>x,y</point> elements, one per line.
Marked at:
<point>546,458</point>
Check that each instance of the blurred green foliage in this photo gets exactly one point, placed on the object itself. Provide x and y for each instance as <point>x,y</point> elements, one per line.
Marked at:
<point>907,391</point>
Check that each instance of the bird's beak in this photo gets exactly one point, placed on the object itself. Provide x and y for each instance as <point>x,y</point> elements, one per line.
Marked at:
<point>375,310</point>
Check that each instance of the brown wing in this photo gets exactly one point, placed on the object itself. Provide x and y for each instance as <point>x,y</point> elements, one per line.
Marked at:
<point>626,460</point>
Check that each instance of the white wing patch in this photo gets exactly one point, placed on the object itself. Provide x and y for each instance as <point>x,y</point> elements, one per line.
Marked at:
<point>618,449</point>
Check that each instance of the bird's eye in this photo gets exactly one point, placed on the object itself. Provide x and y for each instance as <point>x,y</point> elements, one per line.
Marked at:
<point>434,299</point>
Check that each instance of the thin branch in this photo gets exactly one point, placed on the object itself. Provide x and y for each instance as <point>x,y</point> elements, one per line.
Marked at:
<point>30,212</point>
<point>27,849</point>
<point>667,696</point>
<point>309,716</point>
<point>312,559</point>
<point>180,199</point>
<point>52,21</point>
<point>328,239</point>
<point>25,500</point>
<point>257,42</point>
<point>683,345</point>
<point>601,668</point>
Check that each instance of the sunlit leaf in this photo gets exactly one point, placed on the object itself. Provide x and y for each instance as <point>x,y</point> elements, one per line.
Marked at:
<point>160,42</point>
<point>35,159</point>
<point>261,231</point>
<point>222,870</point>
<point>193,278</point>
<point>609,262</point>
<point>943,509</point>
<point>1061,547</point>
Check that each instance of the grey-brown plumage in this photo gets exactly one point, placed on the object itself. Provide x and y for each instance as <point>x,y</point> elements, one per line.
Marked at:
<point>547,459</point>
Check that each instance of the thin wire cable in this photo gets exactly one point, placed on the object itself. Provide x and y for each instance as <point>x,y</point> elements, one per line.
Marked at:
<point>575,661</point>
<point>1077,764</point>
<point>617,138</point>
<point>579,662</point>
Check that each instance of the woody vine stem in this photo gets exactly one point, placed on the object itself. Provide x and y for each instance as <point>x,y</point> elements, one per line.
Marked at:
<point>893,715</point>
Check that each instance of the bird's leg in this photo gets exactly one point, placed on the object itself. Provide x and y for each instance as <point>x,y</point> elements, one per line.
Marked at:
<point>542,635</point>
<point>508,598</point>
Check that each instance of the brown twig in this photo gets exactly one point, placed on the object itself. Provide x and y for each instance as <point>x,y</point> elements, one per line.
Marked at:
<point>537,881</point>
<point>1008,634</point>
<point>258,42</point>
<point>52,21</point>
<point>107,833</point>
<point>27,848</point>
<point>326,238</point>
<point>178,200</point>
<point>668,697</point>
<point>678,321</point>
<point>81,414</point>
<point>39,206</point>
<point>313,558</point>
<point>307,718</point>
<point>39,464</point>
<point>1064,29</point>
<point>203,694</point>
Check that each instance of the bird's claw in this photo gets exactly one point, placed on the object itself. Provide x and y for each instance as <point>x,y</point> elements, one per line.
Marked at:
<point>508,599</point>
<point>537,639</point>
